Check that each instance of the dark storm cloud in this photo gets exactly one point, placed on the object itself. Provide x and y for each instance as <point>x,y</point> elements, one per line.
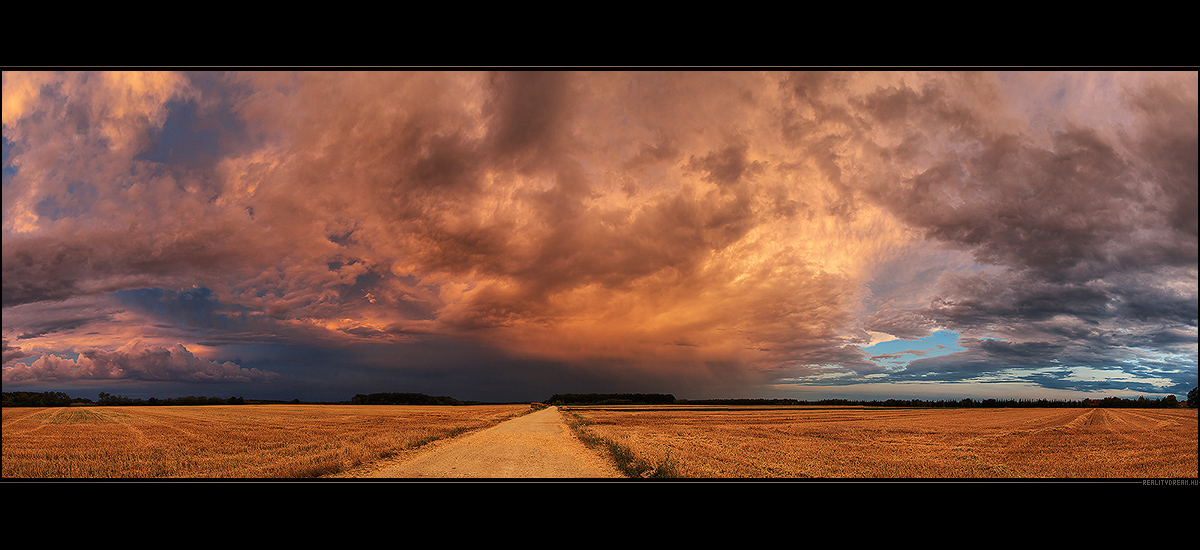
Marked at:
<point>1075,364</point>
<point>527,112</point>
<point>1089,234</point>
<point>1167,141</point>
<point>1060,381</point>
<point>901,323</point>
<point>54,267</point>
<point>649,228</point>
<point>41,329</point>
<point>977,300</point>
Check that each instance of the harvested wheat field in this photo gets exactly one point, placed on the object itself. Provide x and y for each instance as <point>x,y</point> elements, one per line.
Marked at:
<point>905,443</point>
<point>238,441</point>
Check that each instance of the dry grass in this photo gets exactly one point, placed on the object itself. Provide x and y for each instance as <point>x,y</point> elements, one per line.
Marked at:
<point>242,441</point>
<point>905,443</point>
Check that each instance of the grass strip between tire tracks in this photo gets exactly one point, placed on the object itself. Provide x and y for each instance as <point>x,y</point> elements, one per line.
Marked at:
<point>622,456</point>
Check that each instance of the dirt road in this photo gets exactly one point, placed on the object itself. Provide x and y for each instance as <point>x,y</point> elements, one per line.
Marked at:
<point>537,445</point>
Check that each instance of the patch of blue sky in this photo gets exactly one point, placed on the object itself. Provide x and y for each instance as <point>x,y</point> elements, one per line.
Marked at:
<point>38,354</point>
<point>897,353</point>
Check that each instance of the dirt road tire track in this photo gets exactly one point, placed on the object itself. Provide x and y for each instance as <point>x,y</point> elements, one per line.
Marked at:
<point>536,445</point>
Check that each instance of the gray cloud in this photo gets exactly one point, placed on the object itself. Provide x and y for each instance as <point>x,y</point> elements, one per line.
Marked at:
<point>770,221</point>
<point>134,361</point>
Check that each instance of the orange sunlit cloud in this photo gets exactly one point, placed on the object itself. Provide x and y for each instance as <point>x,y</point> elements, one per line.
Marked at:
<point>699,231</point>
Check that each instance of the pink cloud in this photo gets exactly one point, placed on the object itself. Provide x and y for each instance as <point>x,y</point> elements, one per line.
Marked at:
<point>768,219</point>
<point>133,361</point>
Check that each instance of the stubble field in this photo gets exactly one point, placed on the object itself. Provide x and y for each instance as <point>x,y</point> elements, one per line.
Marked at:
<point>239,441</point>
<point>297,441</point>
<point>904,443</point>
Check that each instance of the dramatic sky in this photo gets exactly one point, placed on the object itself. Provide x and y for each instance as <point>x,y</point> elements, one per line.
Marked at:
<point>511,235</point>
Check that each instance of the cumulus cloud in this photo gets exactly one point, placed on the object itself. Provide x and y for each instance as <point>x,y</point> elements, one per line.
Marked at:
<point>12,353</point>
<point>772,222</point>
<point>133,361</point>
<point>1089,240</point>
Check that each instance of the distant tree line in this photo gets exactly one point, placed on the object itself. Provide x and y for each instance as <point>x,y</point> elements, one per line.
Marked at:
<point>740,402</point>
<point>1168,402</point>
<point>403,399</point>
<point>611,399</point>
<point>111,400</point>
<point>42,399</point>
<point>60,399</point>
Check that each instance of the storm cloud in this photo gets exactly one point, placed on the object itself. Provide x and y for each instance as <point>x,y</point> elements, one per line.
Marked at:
<point>723,232</point>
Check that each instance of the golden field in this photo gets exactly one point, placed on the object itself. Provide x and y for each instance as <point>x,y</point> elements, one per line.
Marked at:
<point>847,442</point>
<point>237,441</point>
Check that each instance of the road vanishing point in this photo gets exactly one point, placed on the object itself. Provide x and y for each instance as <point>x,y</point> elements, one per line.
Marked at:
<point>535,445</point>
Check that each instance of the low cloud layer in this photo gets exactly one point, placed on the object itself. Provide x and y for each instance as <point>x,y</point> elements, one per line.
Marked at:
<point>716,231</point>
<point>133,361</point>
